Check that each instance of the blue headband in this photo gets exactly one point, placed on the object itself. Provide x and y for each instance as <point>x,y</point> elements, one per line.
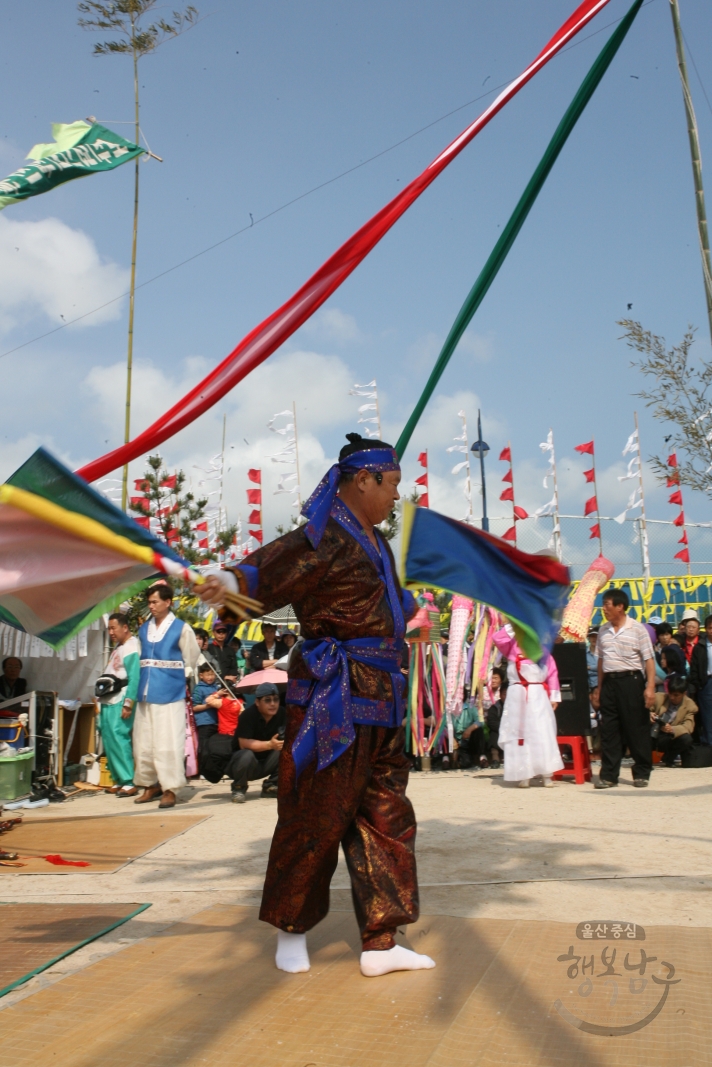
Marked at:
<point>318,507</point>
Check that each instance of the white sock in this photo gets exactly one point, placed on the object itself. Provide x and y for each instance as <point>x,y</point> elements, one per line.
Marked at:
<point>524,784</point>
<point>377,962</point>
<point>292,955</point>
<point>546,778</point>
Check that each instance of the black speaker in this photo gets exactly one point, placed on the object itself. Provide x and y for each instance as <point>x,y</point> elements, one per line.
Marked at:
<point>573,715</point>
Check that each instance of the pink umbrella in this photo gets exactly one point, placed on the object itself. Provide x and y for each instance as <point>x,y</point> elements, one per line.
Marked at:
<point>250,682</point>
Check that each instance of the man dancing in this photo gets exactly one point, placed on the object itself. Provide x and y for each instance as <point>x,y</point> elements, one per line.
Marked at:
<point>343,771</point>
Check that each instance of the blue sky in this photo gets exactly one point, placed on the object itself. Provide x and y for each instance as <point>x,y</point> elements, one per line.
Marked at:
<point>260,103</point>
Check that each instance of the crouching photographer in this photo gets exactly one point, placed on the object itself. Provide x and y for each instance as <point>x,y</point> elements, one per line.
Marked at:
<point>253,751</point>
<point>673,720</point>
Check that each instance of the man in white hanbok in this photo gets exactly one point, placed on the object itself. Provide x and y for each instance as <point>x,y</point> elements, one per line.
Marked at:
<point>527,733</point>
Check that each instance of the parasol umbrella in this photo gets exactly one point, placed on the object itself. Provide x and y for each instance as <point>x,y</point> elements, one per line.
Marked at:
<point>250,682</point>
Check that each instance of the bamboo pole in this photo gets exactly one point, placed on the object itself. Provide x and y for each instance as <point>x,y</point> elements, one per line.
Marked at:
<point>598,507</point>
<point>470,514</point>
<point>643,525</point>
<point>378,411</point>
<point>514,514</point>
<point>132,286</point>
<point>693,135</point>
<point>296,455</point>
<point>558,548</point>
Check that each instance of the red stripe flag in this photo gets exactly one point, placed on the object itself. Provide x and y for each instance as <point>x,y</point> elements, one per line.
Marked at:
<point>255,518</point>
<point>590,506</point>
<point>683,540</point>
<point>672,460</point>
<point>506,455</point>
<point>423,480</point>
<point>424,500</point>
<point>595,531</point>
<point>254,496</point>
<point>683,555</point>
<point>680,520</point>
<point>508,476</point>
<point>423,459</point>
<point>676,498</point>
<point>257,534</point>
<point>510,534</point>
<point>586,449</point>
<point>255,476</point>
<point>590,476</point>
<point>508,494</point>
<point>520,513</point>
<point>269,335</point>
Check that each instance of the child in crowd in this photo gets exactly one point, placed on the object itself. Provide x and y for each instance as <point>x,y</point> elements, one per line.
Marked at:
<point>527,732</point>
<point>673,720</point>
<point>205,711</point>
<point>494,706</point>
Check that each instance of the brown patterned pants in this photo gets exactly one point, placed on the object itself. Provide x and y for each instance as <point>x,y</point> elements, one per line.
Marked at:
<point>358,802</point>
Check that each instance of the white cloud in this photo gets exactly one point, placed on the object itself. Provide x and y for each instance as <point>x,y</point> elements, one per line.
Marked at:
<point>48,267</point>
<point>332,324</point>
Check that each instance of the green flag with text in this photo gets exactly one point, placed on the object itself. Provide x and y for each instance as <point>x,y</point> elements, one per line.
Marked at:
<point>78,149</point>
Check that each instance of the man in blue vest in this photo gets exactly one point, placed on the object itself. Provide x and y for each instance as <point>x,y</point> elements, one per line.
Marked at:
<point>168,649</point>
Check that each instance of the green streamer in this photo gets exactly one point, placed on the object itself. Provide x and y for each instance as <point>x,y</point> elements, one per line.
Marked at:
<point>518,217</point>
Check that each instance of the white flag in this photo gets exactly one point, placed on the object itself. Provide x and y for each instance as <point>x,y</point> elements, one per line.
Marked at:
<point>633,470</point>
<point>458,467</point>
<point>631,444</point>
<point>457,448</point>
<point>546,509</point>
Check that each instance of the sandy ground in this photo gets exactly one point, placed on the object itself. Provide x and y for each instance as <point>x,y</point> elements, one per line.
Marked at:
<point>485,849</point>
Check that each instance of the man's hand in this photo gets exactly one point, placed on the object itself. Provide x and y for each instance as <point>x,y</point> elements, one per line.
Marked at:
<point>126,711</point>
<point>468,731</point>
<point>649,696</point>
<point>276,743</point>
<point>653,716</point>
<point>554,705</point>
<point>211,591</point>
<point>667,728</point>
<point>268,663</point>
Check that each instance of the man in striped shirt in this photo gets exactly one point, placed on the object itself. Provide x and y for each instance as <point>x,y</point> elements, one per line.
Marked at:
<point>626,687</point>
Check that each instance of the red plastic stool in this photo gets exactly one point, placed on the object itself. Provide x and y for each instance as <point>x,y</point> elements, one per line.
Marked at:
<point>580,765</point>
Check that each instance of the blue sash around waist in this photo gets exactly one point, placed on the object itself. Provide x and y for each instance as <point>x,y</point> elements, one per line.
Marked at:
<point>328,727</point>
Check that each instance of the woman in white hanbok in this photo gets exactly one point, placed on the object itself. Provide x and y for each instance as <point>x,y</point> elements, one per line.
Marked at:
<point>527,733</point>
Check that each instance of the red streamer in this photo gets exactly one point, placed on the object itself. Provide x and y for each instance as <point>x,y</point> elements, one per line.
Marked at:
<point>266,338</point>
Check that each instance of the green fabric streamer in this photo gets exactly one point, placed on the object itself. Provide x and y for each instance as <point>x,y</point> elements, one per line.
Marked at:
<point>518,217</point>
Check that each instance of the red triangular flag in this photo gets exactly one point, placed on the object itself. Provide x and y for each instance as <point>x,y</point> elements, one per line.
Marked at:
<point>423,459</point>
<point>508,476</point>
<point>508,494</point>
<point>595,531</point>
<point>590,476</point>
<point>674,479</point>
<point>676,498</point>
<point>255,476</point>
<point>683,540</point>
<point>255,518</point>
<point>201,526</point>
<point>586,449</point>
<point>590,506</point>
<point>680,520</point>
<point>203,543</point>
<point>257,534</point>
<point>520,513</point>
<point>145,522</point>
<point>141,485</point>
<point>254,496</point>
<point>683,555</point>
<point>139,502</point>
<point>423,480</point>
<point>423,500</point>
<point>672,460</point>
<point>506,455</point>
<point>169,483</point>
<point>510,534</point>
